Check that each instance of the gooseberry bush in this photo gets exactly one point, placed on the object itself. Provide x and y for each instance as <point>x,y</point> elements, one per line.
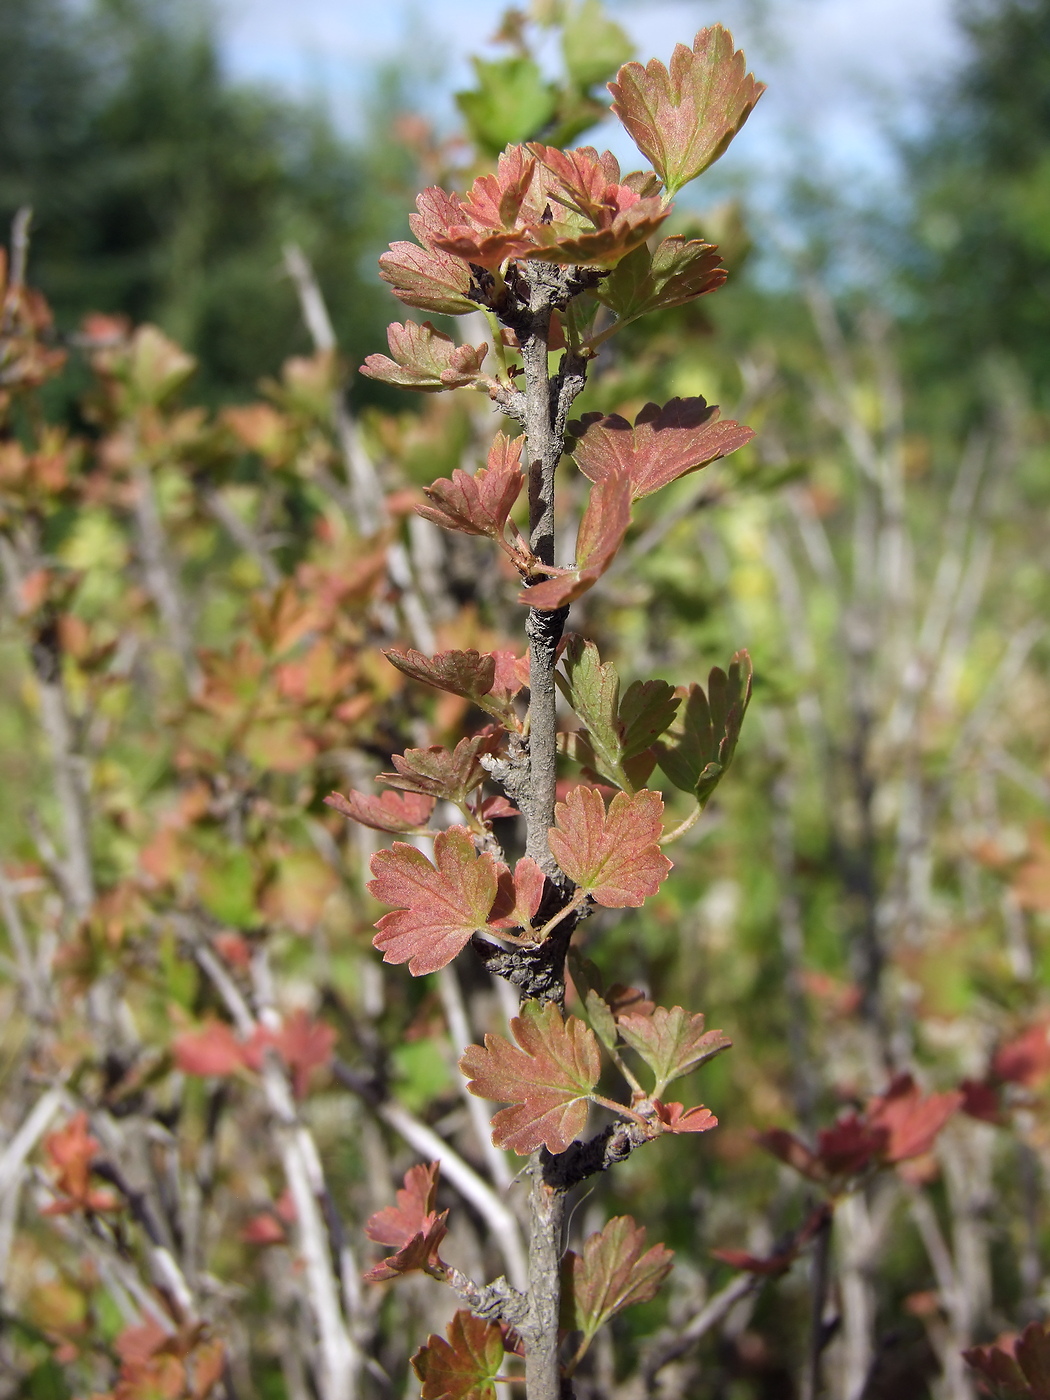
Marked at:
<point>554,248</point>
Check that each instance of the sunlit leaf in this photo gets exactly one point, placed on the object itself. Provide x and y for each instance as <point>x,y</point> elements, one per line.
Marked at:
<point>614,1271</point>
<point>615,856</point>
<point>546,1081</point>
<point>466,1366</point>
<point>425,359</point>
<point>684,118</point>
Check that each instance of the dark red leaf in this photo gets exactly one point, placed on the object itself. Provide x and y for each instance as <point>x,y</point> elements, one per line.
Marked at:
<point>466,1366</point>
<point>479,504</point>
<point>602,530</point>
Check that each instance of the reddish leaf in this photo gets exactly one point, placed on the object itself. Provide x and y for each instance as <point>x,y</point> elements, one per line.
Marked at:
<point>437,772</point>
<point>980,1101</point>
<point>664,444</point>
<point>682,120</point>
<point>793,1153</point>
<point>425,359</point>
<point>850,1146</point>
<point>1022,1375</point>
<point>547,1081</point>
<point>412,1227</point>
<point>391,811</point>
<point>425,276</point>
<point>471,674</point>
<point>264,1229</point>
<point>466,1366</point>
<point>72,1151</point>
<point>671,1042</point>
<point>519,896</point>
<point>213,1050</point>
<point>494,808</point>
<point>441,906</point>
<point>479,504</point>
<point>615,856</point>
<point>600,535</point>
<point>515,214</point>
<point>420,1252</point>
<point>302,1043</point>
<point>676,1118</point>
<point>1024,1060</point>
<point>612,1273</point>
<point>680,270</point>
<point>395,1225</point>
<point>910,1121</point>
<point>783,1257</point>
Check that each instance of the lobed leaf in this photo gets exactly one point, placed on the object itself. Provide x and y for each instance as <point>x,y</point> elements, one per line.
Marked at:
<point>471,674</point>
<point>592,44</point>
<point>678,271</point>
<point>547,1079</point>
<point>676,1118</point>
<point>683,118</point>
<point>425,359</point>
<point>602,530</point>
<point>400,813</point>
<point>614,856</point>
<point>910,1120</point>
<point>1022,1373</point>
<point>466,1366</point>
<point>426,276</point>
<point>702,740</point>
<point>519,897</point>
<point>479,504</point>
<point>663,445</point>
<point>671,1042</point>
<point>395,1225</point>
<point>444,774</point>
<point>614,1271</point>
<point>441,905</point>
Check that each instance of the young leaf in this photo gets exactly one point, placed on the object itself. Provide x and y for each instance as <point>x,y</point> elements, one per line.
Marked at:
<point>466,1366</point>
<point>664,444</point>
<point>425,359</point>
<point>72,1151</point>
<point>395,1225</point>
<point>601,533</point>
<point>412,1227</point>
<point>547,1081</point>
<point>426,276</point>
<point>302,1043</point>
<point>614,1271</point>
<point>910,1120</point>
<point>676,1118</point>
<point>479,504</point>
<point>682,120</point>
<point>390,811</point>
<point>440,906</point>
<point>702,740</point>
<point>615,856</point>
<point>680,270</point>
<point>213,1050</point>
<point>471,674</point>
<point>671,1042</point>
<point>519,896</point>
<point>511,102</point>
<point>437,772</point>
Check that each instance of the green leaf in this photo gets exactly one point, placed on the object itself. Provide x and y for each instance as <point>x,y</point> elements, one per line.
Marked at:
<point>511,103</point>
<point>703,738</point>
<point>671,1042</point>
<point>617,732</point>
<point>227,889</point>
<point>594,46</point>
<point>614,1271</point>
<point>680,270</point>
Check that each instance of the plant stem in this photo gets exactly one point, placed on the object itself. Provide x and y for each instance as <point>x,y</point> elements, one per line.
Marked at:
<point>547,1209</point>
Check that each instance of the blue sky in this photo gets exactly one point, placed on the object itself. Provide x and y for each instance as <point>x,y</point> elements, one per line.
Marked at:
<point>841,72</point>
